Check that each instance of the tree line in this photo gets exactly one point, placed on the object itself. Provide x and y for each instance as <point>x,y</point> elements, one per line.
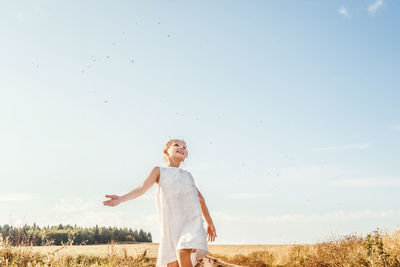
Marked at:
<point>58,235</point>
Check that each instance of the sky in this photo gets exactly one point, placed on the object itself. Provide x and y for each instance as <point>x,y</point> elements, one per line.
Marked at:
<point>289,110</point>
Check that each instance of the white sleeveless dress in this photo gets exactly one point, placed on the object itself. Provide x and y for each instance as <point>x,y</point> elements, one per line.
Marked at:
<point>180,217</point>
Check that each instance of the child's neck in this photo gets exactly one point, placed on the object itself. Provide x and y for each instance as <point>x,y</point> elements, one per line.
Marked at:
<point>173,163</point>
<point>175,166</point>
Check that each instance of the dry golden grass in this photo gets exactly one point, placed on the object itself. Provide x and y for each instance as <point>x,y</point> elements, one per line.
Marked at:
<point>108,255</point>
<point>152,249</point>
<point>226,252</point>
<point>134,250</point>
<point>68,255</point>
<point>377,249</point>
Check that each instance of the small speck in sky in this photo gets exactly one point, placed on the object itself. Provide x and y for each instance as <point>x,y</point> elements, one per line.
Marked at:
<point>105,101</point>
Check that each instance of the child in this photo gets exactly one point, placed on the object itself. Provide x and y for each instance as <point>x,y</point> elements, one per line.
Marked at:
<point>179,206</point>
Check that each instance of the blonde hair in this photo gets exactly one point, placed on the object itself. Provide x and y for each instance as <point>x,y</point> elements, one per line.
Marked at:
<point>168,144</point>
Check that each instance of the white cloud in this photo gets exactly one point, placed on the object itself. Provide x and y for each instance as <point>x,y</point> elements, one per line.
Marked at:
<point>21,17</point>
<point>372,8</point>
<point>343,11</point>
<point>314,172</point>
<point>336,176</point>
<point>327,217</point>
<point>396,128</point>
<point>39,10</point>
<point>85,212</point>
<point>12,197</point>
<point>248,195</point>
<point>368,182</point>
<point>342,147</point>
<point>77,205</point>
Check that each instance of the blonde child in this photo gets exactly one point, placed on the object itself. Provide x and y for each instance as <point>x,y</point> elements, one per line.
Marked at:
<point>180,206</point>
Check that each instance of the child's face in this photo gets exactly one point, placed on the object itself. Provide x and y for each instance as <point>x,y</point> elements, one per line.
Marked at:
<point>177,150</point>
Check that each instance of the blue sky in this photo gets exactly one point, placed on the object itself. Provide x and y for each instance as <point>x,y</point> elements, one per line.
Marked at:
<point>289,110</point>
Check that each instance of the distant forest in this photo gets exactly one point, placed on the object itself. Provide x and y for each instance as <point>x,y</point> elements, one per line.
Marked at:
<point>58,235</point>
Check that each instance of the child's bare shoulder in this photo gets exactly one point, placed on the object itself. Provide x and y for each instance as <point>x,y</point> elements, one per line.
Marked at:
<point>156,172</point>
<point>156,168</point>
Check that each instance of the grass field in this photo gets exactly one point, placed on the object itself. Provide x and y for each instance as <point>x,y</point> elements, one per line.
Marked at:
<point>134,250</point>
<point>376,249</point>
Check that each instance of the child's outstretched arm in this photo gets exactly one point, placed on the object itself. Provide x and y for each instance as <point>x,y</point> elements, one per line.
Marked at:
<point>211,233</point>
<point>138,191</point>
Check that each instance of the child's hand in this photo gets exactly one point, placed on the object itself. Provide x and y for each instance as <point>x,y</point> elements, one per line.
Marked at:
<point>211,233</point>
<point>114,201</point>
